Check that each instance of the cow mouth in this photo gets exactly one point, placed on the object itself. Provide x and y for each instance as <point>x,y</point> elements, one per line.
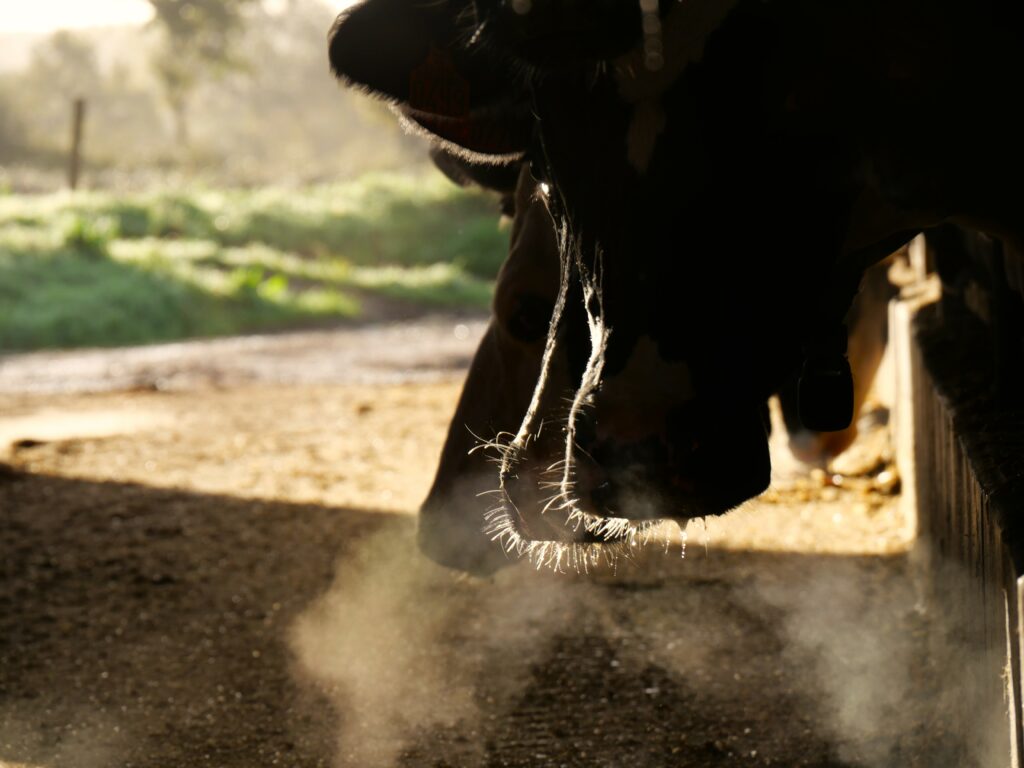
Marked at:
<point>549,524</point>
<point>597,541</point>
<point>577,512</point>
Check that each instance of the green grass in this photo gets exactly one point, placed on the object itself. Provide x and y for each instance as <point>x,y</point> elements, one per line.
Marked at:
<point>94,269</point>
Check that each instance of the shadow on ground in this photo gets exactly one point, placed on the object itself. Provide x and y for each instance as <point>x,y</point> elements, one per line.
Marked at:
<point>149,627</point>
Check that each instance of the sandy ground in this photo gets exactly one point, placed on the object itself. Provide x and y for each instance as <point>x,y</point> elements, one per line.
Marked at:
<point>206,559</point>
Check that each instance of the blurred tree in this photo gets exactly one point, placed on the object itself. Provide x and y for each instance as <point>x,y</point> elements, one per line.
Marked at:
<point>198,41</point>
<point>13,136</point>
<point>63,67</point>
<point>67,64</point>
<point>129,127</point>
<point>276,115</point>
<point>285,118</point>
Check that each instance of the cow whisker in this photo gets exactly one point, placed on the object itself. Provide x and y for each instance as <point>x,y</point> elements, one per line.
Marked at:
<point>499,443</point>
<point>619,536</point>
<point>623,538</point>
<point>492,492</point>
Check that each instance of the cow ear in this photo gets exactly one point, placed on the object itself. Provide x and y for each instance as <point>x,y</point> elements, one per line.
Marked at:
<point>414,54</point>
<point>377,44</point>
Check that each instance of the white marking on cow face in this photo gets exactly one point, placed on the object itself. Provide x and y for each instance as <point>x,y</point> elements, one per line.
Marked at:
<point>683,35</point>
<point>645,73</point>
<point>647,123</point>
<point>654,53</point>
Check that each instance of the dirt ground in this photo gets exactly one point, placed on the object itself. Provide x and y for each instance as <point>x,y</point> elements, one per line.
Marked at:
<point>212,564</point>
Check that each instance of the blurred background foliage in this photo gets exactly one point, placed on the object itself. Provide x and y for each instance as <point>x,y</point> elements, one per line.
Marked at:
<point>228,91</point>
<point>231,185</point>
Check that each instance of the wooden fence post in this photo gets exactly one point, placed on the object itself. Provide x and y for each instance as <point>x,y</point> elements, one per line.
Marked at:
<point>75,161</point>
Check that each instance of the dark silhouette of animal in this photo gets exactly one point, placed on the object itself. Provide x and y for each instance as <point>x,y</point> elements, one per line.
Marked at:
<point>720,173</point>
<point>507,363</point>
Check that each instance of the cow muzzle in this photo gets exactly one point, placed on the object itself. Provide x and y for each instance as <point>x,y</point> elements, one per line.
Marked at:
<point>608,486</point>
<point>695,463</point>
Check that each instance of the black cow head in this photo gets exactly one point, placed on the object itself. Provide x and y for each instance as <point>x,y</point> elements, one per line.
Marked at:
<point>720,173</point>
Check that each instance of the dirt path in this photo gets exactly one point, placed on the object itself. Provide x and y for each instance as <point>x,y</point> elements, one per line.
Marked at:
<point>196,576</point>
<point>411,350</point>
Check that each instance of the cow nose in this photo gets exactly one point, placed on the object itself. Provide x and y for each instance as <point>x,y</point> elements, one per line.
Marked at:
<point>697,463</point>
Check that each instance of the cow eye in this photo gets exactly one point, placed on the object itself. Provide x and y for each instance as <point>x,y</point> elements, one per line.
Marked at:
<point>530,318</point>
